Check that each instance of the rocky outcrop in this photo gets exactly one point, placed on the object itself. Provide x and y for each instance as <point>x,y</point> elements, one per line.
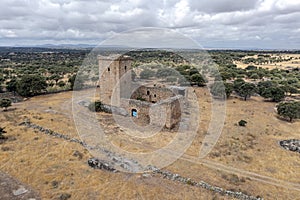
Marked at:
<point>101,164</point>
<point>292,145</point>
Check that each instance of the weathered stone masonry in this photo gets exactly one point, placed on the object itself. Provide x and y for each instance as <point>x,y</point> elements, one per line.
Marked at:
<point>138,100</point>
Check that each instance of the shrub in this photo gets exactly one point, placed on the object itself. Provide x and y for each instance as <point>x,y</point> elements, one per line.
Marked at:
<point>30,85</point>
<point>221,89</point>
<point>242,122</point>
<point>147,73</point>
<point>2,131</point>
<point>96,106</point>
<point>5,103</point>
<point>61,84</point>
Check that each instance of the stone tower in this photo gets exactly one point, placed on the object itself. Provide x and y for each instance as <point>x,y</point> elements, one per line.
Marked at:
<point>115,78</point>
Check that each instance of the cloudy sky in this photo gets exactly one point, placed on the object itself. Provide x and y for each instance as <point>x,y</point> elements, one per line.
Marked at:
<point>267,24</point>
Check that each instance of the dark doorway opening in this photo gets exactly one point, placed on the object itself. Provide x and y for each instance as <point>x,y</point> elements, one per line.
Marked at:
<point>134,113</point>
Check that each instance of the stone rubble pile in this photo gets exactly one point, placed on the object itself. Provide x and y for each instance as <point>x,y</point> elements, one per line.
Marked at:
<point>176,177</point>
<point>101,164</point>
<point>292,145</point>
<point>133,166</point>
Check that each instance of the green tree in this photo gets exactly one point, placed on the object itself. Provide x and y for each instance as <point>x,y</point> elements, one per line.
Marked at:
<point>165,72</point>
<point>228,89</point>
<point>226,75</point>
<point>1,82</point>
<point>221,89</point>
<point>254,76</point>
<point>30,85</point>
<point>61,83</point>
<point>264,85</point>
<point>251,67</point>
<point>245,90</point>
<point>290,110</point>
<point>237,83</point>
<point>275,93</point>
<point>76,82</point>
<point>289,89</point>
<point>197,79</point>
<point>193,71</point>
<point>55,77</point>
<point>147,73</point>
<point>12,85</point>
<point>5,103</point>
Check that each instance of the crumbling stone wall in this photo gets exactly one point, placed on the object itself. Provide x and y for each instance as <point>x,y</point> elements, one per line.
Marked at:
<point>170,112</point>
<point>152,94</point>
<point>153,104</point>
<point>167,111</point>
<point>142,108</point>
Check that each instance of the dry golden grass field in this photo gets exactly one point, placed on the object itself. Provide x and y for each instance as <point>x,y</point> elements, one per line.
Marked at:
<point>294,62</point>
<point>248,158</point>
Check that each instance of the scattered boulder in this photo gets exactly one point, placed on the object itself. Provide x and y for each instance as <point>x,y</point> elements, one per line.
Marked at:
<point>84,103</point>
<point>21,190</point>
<point>64,196</point>
<point>292,145</point>
<point>115,110</point>
<point>101,164</point>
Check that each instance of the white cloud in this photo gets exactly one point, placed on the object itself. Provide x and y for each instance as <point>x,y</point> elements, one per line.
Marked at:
<point>208,21</point>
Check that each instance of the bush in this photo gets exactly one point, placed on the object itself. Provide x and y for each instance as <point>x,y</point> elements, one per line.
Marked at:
<point>96,106</point>
<point>30,85</point>
<point>220,89</point>
<point>5,103</point>
<point>242,123</point>
<point>172,79</point>
<point>76,82</point>
<point>147,73</point>
<point>244,89</point>
<point>2,131</point>
<point>61,84</point>
<point>275,93</point>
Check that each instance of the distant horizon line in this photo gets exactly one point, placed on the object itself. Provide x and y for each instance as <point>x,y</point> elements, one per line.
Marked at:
<point>70,46</point>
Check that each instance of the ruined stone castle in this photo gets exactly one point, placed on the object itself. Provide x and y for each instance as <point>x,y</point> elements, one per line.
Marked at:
<point>143,102</point>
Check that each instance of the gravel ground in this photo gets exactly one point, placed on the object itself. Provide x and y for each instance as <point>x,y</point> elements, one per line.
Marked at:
<point>12,189</point>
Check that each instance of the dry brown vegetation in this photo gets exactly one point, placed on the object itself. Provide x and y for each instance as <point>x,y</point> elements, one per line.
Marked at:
<point>53,166</point>
<point>293,62</point>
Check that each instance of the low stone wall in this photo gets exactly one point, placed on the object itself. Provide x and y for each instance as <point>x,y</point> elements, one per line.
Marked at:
<point>176,177</point>
<point>292,145</point>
